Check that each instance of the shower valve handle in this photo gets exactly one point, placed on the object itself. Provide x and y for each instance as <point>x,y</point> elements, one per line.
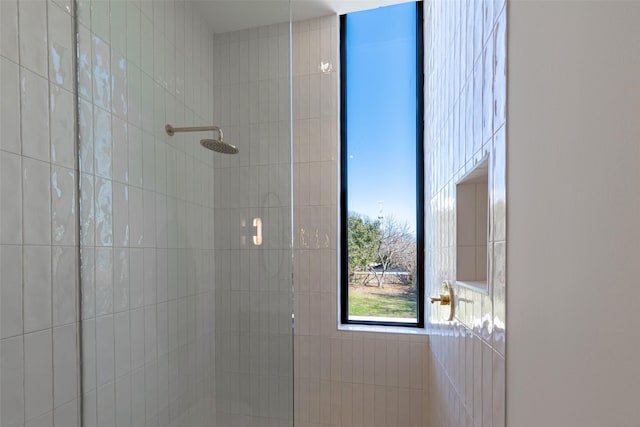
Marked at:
<point>444,299</point>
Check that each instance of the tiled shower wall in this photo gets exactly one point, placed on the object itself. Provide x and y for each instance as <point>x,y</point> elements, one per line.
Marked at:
<point>39,369</point>
<point>342,378</point>
<point>146,214</point>
<point>253,300</point>
<point>465,89</point>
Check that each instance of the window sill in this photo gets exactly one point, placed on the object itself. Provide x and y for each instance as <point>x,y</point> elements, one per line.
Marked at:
<point>383,329</point>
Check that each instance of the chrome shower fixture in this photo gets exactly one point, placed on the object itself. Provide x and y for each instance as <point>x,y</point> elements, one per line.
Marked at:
<point>217,145</point>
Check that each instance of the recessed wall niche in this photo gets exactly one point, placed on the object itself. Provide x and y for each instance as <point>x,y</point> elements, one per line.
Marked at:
<point>472,197</point>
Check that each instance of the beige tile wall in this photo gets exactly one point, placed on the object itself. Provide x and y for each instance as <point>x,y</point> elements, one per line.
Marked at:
<point>465,78</point>
<point>342,378</point>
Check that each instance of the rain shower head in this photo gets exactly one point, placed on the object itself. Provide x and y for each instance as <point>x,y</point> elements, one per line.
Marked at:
<point>217,145</point>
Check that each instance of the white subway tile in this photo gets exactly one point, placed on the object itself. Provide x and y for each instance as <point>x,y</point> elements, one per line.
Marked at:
<point>499,186</point>
<point>63,206</point>
<point>34,113</point>
<point>37,288</point>
<point>123,401</point>
<point>149,215</point>
<point>12,381</point>
<point>469,371</point>
<point>104,281</point>
<point>106,405</point>
<point>64,284</point>
<point>100,13</point>
<point>41,421</point>
<point>149,274</point>
<point>120,215</point>
<point>477,380</point>
<point>88,282</point>
<point>391,409</point>
<point>61,110</point>
<point>487,385</point>
<point>38,378</point>
<point>88,328</point>
<point>33,35</point>
<point>101,52</point>
<point>498,390</point>
<point>119,94</point>
<point>136,277</point>
<point>11,199</point>
<point>499,297</point>
<point>36,202</point>
<point>150,334</point>
<point>417,355</point>
<point>122,352</point>
<point>121,293</point>
<point>105,365</point>
<point>147,45</point>
<point>10,87</point>
<point>133,33</point>
<point>85,134</point>
<point>328,98</point>
<point>369,405</point>
<point>404,407</point>
<point>65,364</point>
<point>314,54</point>
<point>379,406</point>
<point>85,59</point>
<point>137,338</point>
<point>89,409</point>
<point>148,161</point>
<point>417,411</point>
<point>60,47</point>
<point>487,90</point>
<point>11,291</point>
<point>139,398</point>
<point>392,369</point>
<point>134,102</point>
<point>67,414</point>
<point>118,26</point>
<point>9,23</point>
<point>136,218</point>
<point>103,142</point>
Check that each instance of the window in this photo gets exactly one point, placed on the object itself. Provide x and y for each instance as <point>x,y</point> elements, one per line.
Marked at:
<point>382,172</point>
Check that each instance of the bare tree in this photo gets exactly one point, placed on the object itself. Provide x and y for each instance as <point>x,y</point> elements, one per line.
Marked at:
<point>396,246</point>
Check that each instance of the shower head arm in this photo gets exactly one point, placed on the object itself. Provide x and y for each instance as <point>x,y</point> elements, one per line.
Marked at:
<point>171,130</point>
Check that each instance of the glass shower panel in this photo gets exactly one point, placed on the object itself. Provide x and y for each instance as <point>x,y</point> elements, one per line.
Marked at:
<point>186,283</point>
<point>252,225</point>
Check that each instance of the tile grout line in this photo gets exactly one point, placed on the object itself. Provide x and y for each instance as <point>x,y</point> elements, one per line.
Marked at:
<point>24,410</point>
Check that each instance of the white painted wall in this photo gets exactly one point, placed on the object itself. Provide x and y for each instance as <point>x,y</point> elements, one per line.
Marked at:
<point>573,219</point>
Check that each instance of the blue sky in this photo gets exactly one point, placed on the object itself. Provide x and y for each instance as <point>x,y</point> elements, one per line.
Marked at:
<point>381,104</point>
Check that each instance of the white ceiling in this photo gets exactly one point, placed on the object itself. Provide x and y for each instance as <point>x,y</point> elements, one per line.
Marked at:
<point>232,15</point>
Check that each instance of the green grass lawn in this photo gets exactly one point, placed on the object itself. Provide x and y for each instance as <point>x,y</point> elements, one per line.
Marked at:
<point>365,304</point>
